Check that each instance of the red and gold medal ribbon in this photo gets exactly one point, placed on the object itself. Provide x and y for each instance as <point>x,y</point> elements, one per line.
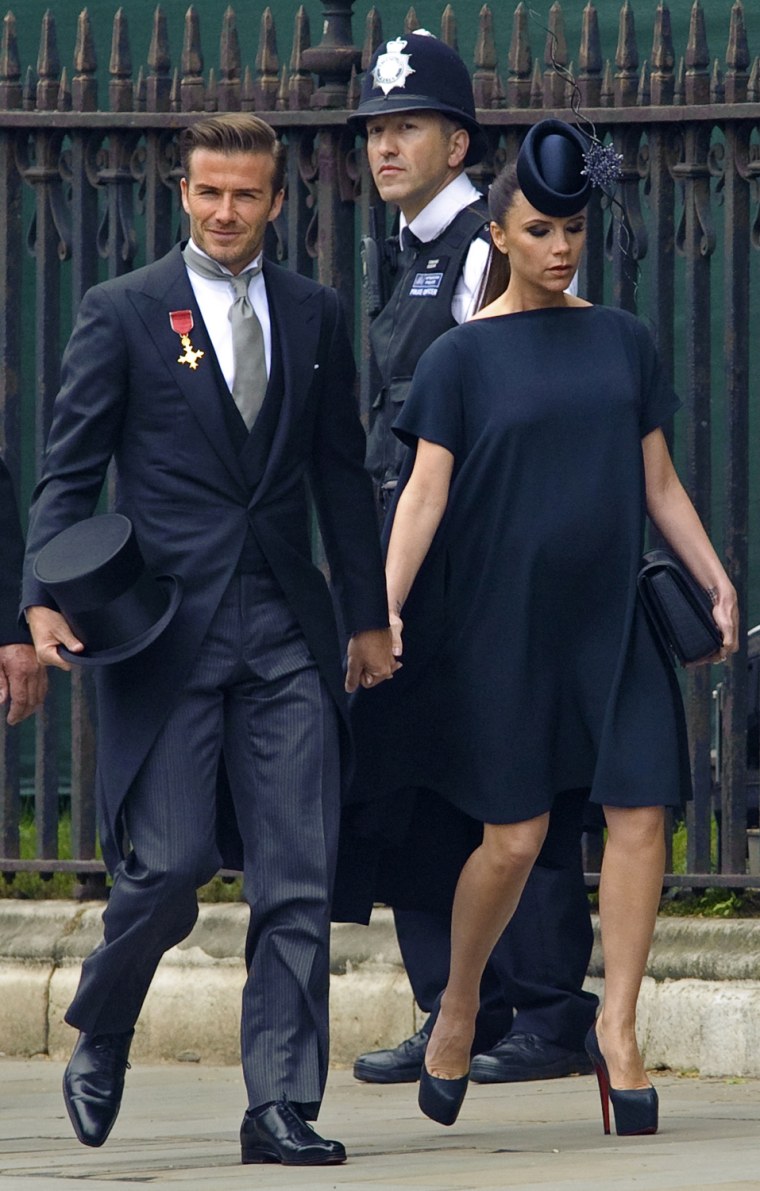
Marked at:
<point>182,323</point>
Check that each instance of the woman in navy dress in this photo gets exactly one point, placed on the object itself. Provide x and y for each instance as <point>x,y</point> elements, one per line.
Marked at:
<point>530,665</point>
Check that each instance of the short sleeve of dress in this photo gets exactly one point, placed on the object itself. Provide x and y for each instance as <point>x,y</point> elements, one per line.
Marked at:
<point>659,400</point>
<point>433,409</point>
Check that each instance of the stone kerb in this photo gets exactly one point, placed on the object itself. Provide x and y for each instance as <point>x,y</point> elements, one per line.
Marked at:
<point>698,1011</point>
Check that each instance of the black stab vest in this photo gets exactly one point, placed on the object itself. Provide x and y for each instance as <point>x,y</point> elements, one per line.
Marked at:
<point>416,314</point>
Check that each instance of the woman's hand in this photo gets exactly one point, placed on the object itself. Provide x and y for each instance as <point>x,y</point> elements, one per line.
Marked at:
<point>397,628</point>
<point>726,616</point>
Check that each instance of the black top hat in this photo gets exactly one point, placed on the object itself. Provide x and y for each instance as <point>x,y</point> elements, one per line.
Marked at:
<point>417,72</point>
<point>550,168</point>
<point>95,573</point>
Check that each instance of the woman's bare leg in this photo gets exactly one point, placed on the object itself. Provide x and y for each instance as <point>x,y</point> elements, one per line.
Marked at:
<point>629,896</point>
<point>487,894</point>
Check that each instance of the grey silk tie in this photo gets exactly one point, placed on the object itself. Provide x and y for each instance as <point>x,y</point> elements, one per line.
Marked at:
<point>250,383</point>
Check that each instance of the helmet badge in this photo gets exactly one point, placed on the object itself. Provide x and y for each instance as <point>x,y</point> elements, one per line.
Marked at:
<point>392,68</point>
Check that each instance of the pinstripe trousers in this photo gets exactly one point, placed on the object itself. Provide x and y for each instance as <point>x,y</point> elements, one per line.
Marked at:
<point>255,695</point>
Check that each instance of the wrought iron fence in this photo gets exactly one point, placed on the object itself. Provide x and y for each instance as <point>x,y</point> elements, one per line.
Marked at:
<point>89,188</point>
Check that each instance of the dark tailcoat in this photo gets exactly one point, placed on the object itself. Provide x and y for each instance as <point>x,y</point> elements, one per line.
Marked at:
<point>182,482</point>
<point>11,554</point>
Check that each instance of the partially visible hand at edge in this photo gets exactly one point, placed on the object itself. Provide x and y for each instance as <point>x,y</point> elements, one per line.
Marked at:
<point>23,681</point>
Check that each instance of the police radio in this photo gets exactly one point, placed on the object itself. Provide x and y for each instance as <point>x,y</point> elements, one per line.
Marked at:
<point>372,265</point>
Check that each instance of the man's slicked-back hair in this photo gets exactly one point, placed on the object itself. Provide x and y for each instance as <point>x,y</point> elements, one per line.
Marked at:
<point>233,132</point>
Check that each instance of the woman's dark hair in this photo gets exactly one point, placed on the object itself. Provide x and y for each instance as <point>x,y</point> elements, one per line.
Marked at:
<point>501,195</point>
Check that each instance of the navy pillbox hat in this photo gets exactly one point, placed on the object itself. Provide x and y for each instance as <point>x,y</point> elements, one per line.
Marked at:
<point>550,168</point>
<point>418,72</point>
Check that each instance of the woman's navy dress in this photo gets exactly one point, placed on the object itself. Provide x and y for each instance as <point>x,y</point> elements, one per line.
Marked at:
<point>529,665</point>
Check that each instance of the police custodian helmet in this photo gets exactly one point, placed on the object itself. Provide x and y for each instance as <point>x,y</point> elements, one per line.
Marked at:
<point>417,72</point>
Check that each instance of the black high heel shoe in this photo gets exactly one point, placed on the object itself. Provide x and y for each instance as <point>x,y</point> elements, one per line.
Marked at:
<point>440,1099</point>
<point>635,1108</point>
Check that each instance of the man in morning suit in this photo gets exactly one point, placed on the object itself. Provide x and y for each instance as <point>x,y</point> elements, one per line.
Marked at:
<point>23,681</point>
<point>216,447</point>
<point>418,114</point>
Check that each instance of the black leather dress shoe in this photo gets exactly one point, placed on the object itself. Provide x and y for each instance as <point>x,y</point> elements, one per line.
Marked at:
<point>279,1133</point>
<point>403,1064</point>
<point>521,1057</point>
<point>93,1083</point>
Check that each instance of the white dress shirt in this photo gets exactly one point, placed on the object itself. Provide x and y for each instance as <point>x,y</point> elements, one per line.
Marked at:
<point>215,297</point>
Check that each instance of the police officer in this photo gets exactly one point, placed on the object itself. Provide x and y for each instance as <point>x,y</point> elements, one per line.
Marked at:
<point>418,115</point>
<point>421,132</point>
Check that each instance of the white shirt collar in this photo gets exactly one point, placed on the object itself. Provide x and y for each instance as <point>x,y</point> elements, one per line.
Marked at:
<point>440,211</point>
<point>200,251</point>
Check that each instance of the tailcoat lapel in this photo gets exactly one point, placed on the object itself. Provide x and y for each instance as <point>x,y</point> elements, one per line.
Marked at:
<point>164,288</point>
<point>297,316</point>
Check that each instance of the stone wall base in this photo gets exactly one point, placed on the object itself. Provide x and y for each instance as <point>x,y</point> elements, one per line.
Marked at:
<point>192,1013</point>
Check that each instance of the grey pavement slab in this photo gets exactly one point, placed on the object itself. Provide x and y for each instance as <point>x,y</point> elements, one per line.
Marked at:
<point>178,1130</point>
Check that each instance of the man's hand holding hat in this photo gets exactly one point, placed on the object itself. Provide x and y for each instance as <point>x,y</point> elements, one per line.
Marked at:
<point>49,630</point>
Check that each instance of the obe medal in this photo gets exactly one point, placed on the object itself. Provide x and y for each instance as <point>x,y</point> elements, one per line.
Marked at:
<point>392,68</point>
<point>182,324</point>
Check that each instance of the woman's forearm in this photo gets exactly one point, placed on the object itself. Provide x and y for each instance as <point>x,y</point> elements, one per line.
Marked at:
<point>677,520</point>
<point>418,515</point>
<point>414,528</point>
<point>671,510</point>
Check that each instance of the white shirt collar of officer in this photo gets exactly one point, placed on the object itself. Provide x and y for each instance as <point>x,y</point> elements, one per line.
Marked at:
<point>438,214</point>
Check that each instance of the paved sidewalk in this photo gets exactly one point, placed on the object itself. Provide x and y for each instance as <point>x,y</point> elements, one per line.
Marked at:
<point>178,1130</point>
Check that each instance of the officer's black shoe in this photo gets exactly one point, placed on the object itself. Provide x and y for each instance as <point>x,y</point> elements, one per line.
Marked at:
<point>400,1065</point>
<point>93,1083</point>
<point>521,1057</point>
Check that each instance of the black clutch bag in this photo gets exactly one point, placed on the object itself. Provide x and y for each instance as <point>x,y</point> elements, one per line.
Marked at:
<point>678,608</point>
